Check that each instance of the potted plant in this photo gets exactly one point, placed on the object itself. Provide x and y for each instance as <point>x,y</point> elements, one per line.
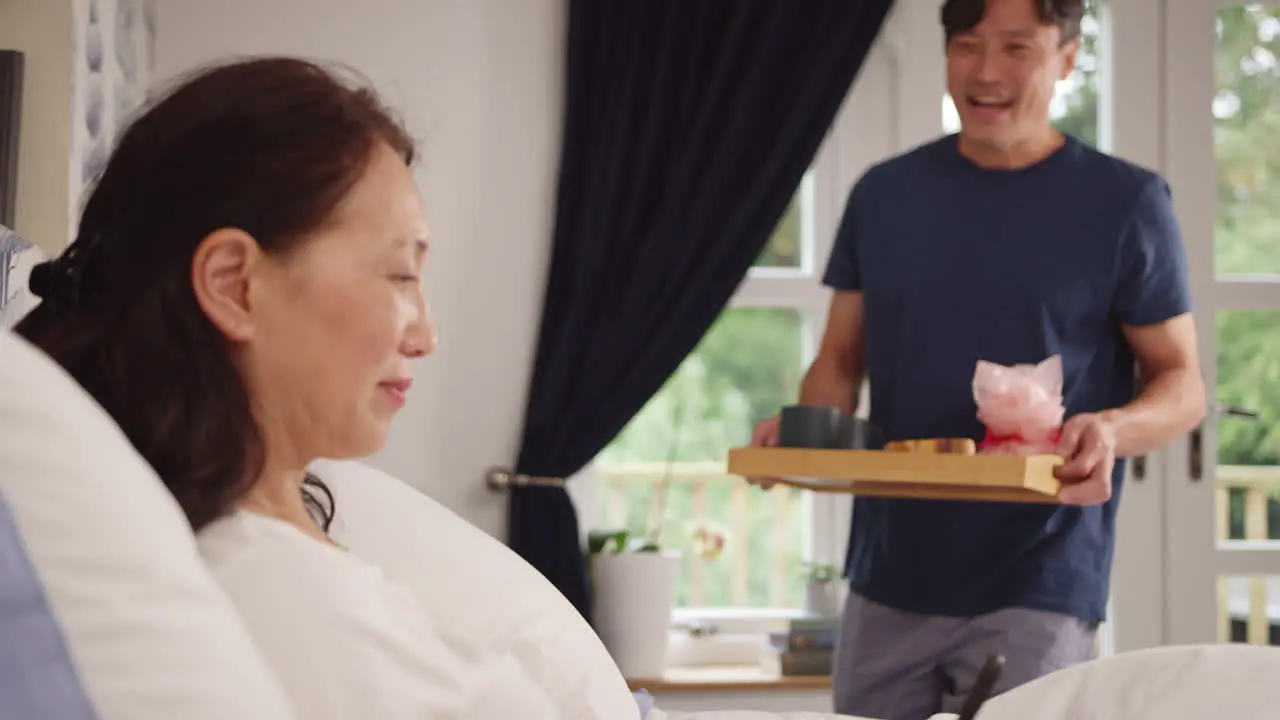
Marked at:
<point>634,588</point>
<point>822,589</point>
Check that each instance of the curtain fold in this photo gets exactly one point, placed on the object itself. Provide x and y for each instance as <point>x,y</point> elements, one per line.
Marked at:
<point>687,128</point>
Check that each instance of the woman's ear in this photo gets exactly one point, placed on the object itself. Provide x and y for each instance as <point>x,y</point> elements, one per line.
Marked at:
<point>220,274</point>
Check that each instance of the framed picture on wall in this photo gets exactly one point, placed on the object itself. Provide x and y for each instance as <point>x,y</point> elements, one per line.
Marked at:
<point>17,257</point>
<point>11,70</point>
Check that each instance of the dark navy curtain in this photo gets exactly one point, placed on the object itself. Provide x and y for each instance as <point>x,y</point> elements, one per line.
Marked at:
<point>688,126</point>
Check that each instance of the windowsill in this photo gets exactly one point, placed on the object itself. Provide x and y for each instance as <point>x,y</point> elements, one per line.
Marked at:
<point>769,617</point>
<point>735,621</point>
<point>747,678</point>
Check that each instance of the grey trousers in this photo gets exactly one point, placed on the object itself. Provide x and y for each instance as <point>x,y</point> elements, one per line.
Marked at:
<point>896,665</point>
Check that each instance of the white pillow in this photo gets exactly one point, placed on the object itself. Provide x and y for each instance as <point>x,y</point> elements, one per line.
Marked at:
<point>478,586</point>
<point>106,609</point>
<point>1234,682</point>
<point>472,583</point>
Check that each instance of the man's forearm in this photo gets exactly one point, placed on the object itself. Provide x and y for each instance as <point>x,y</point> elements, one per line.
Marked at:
<point>1170,404</point>
<point>827,383</point>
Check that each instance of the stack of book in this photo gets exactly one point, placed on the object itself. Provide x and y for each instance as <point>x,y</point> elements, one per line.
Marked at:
<point>807,647</point>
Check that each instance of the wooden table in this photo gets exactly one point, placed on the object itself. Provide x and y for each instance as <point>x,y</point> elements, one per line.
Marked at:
<point>732,684</point>
<point>728,679</point>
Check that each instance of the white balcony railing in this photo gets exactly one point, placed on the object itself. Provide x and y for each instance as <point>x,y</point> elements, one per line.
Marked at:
<point>1245,495</point>
<point>763,565</point>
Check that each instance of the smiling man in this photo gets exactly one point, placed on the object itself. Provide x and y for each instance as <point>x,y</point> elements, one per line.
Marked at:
<point>1008,242</point>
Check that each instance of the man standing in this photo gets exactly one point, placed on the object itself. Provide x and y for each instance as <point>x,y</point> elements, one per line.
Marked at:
<point>1008,242</point>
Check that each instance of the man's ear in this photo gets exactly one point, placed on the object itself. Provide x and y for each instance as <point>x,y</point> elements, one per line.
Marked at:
<point>1070,49</point>
<point>221,270</point>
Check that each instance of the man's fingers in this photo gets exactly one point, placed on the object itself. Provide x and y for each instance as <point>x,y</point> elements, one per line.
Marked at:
<point>1095,487</point>
<point>1090,491</point>
<point>766,436</point>
<point>1081,465</point>
<point>1070,440</point>
<point>765,433</point>
<point>1087,492</point>
<point>1094,490</point>
<point>1082,449</point>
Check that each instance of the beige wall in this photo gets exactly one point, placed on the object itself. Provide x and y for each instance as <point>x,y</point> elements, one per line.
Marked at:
<point>41,29</point>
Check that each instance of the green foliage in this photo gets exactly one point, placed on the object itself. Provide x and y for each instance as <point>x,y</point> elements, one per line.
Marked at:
<point>747,366</point>
<point>615,542</point>
<point>765,550</point>
<point>1247,114</point>
<point>784,249</point>
<point>821,572</point>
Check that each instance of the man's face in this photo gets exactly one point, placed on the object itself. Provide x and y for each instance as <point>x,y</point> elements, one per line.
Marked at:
<point>1002,73</point>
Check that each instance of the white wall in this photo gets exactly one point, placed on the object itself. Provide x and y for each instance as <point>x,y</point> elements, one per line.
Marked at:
<point>41,29</point>
<point>478,81</point>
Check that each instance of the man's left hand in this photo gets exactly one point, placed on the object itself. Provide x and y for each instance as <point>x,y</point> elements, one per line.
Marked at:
<point>1089,445</point>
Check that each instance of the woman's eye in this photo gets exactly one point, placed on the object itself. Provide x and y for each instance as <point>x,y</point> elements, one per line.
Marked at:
<point>412,279</point>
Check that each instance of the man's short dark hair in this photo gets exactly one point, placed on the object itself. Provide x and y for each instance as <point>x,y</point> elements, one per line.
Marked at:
<point>961,16</point>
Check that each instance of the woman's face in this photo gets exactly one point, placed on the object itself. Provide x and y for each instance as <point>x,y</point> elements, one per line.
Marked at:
<point>325,334</point>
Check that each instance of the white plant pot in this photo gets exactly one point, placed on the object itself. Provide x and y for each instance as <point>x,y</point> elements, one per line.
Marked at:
<point>823,599</point>
<point>635,593</point>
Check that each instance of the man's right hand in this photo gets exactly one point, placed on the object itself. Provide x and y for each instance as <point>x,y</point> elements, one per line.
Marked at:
<point>764,435</point>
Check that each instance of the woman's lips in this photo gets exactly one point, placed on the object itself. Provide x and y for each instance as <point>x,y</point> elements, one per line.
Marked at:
<point>398,389</point>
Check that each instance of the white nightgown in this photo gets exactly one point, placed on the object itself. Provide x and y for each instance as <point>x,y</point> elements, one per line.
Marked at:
<point>344,640</point>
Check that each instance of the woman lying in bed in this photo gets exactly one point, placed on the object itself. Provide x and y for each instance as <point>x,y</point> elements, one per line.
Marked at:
<point>244,296</point>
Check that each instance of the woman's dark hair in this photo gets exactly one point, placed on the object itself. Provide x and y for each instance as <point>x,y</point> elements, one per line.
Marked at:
<point>961,16</point>
<point>266,145</point>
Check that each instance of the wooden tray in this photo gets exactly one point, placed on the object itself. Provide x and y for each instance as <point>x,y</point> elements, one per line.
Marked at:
<point>932,469</point>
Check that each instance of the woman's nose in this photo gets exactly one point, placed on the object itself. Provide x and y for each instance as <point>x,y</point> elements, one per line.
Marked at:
<point>420,337</point>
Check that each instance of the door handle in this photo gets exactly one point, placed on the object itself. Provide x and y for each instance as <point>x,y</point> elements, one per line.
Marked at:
<point>1196,446</point>
<point>1139,462</point>
<point>1238,412</point>
<point>1197,454</point>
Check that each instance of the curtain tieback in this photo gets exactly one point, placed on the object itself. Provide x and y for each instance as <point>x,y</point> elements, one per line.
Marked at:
<point>501,480</point>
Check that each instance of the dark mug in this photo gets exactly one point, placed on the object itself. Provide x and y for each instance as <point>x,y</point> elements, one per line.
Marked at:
<point>859,434</point>
<point>810,426</point>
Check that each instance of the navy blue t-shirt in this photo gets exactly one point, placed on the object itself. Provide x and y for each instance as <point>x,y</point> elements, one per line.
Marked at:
<point>957,263</point>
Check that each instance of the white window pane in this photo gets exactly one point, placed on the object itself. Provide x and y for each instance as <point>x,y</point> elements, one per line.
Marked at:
<point>1246,128</point>
<point>789,245</point>
<point>748,365</point>
<point>784,247</point>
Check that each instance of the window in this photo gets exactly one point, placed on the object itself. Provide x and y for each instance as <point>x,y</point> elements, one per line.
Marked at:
<point>667,467</point>
<point>785,248</point>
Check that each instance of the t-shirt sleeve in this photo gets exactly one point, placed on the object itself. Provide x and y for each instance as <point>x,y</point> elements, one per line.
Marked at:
<point>844,270</point>
<point>1151,283</point>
